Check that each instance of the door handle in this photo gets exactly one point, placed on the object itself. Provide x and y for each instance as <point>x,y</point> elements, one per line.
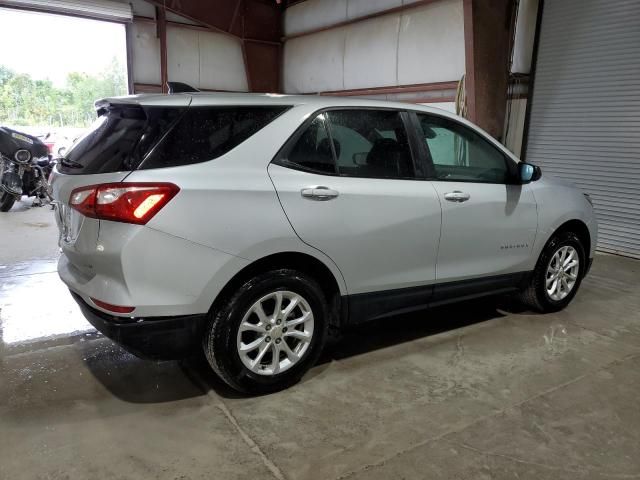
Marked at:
<point>319,193</point>
<point>457,196</point>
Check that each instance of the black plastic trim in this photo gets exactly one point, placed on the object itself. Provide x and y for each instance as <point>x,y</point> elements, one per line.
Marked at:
<point>364,307</point>
<point>589,265</point>
<point>158,338</point>
<point>170,338</point>
<point>380,304</point>
<point>477,287</point>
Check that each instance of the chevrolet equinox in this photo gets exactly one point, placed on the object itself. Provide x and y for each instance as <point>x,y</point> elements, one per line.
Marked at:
<point>248,225</point>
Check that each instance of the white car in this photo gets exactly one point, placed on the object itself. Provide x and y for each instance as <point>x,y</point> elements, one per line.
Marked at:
<point>247,225</point>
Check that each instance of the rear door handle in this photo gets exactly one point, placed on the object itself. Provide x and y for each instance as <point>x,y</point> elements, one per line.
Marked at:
<point>457,196</point>
<point>320,193</point>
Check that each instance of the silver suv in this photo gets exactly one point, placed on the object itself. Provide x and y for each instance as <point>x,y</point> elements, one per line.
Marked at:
<point>248,225</point>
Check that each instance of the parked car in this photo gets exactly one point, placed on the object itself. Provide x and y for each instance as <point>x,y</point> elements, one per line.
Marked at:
<point>247,225</point>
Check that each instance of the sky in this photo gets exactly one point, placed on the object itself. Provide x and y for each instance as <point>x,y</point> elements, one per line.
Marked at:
<point>50,46</point>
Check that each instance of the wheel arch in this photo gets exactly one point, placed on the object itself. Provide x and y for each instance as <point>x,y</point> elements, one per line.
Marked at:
<point>297,261</point>
<point>580,229</point>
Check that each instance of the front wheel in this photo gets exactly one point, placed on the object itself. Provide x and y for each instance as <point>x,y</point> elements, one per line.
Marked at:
<point>269,333</point>
<point>558,274</point>
<point>6,201</point>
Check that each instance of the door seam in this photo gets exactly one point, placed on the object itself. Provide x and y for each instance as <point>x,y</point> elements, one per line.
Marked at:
<point>346,287</point>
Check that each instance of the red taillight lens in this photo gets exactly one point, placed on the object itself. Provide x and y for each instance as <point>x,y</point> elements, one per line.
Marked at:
<point>112,308</point>
<point>123,202</point>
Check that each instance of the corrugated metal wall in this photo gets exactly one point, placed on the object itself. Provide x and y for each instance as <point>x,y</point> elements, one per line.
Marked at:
<point>420,45</point>
<point>585,112</point>
<point>200,58</point>
<point>205,59</point>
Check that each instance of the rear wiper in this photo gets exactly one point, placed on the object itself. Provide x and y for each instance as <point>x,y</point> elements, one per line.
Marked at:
<point>70,163</point>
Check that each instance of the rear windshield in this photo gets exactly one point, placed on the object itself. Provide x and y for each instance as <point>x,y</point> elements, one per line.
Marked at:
<point>118,140</point>
<point>130,138</point>
<point>205,133</point>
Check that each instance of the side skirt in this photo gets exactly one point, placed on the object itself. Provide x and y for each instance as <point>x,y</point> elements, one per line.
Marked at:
<point>364,307</point>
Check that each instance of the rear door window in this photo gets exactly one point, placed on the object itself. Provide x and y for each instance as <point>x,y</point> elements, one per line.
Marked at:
<point>311,151</point>
<point>205,133</point>
<point>371,143</point>
<point>363,143</point>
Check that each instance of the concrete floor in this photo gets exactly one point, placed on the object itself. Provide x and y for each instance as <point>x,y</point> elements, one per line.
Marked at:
<point>477,391</point>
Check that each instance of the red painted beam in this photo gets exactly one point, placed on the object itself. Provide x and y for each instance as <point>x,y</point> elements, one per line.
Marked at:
<point>262,61</point>
<point>413,88</point>
<point>487,32</point>
<point>258,23</point>
<point>215,14</point>
<point>256,19</point>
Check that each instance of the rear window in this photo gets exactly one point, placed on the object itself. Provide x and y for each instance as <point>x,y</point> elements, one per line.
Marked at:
<point>127,138</point>
<point>118,140</point>
<point>205,133</point>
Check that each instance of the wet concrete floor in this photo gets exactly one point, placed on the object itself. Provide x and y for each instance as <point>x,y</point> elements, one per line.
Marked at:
<point>482,390</point>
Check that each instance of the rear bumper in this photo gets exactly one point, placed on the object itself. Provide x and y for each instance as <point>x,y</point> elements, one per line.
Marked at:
<point>159,338</point>
<point>160,274</point>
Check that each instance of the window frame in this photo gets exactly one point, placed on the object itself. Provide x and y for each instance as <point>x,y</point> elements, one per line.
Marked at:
<point>280,157</point>
<point>429,165</point>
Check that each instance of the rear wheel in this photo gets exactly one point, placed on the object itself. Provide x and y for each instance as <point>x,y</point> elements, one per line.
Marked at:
<point>269,333</point>
<point>558,274</point>
<point>6,201</point>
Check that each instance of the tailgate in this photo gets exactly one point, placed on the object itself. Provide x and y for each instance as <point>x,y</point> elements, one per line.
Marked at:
<point>77,234</point>
<point>124,132</point>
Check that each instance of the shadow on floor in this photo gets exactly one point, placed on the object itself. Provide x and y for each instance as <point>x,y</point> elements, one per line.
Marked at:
<point>138,381</point>
<point>135,380</point>
<point>383,333</point>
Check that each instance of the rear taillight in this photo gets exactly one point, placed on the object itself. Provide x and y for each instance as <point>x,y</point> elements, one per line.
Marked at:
<point>122,202</point>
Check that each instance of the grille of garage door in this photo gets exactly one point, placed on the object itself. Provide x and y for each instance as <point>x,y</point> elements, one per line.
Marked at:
<point>585,113</point>
<point>98,9</point>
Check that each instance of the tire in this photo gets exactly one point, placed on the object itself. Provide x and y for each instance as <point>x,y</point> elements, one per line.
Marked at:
<point>6,201</point>
<point>222,340</point>
<point>536,295</point>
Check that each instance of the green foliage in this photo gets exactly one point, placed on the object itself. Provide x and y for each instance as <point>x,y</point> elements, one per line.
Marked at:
<point>24,101</point>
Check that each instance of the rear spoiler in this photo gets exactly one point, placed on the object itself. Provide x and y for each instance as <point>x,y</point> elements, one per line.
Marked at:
<point>136,101</point>
<point>179,87</point>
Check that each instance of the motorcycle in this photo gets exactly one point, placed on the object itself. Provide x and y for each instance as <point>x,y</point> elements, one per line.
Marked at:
<point>25,166</point>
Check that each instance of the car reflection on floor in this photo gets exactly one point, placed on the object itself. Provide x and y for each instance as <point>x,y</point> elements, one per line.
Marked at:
<point>27,292</point>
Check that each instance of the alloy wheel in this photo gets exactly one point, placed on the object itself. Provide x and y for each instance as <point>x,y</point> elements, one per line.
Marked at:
<point>562,273</point>
<point>275,333</point>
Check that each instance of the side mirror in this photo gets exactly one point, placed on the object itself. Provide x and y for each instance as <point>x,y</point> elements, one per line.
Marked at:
<point>528,173</point>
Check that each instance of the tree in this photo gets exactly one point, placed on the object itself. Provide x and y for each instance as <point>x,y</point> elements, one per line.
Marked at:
<point>5,74</point>
<point>24,101</point>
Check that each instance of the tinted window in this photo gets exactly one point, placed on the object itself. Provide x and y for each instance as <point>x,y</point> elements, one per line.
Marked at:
<point>460,154</point>
<point>118,140</point>
<point>311,150</point>
<point>205,133</point>
<point>370,143</point>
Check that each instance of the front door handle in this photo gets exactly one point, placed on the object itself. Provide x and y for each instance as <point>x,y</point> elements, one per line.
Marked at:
<point>319,193</point>
<point>457,196</point>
